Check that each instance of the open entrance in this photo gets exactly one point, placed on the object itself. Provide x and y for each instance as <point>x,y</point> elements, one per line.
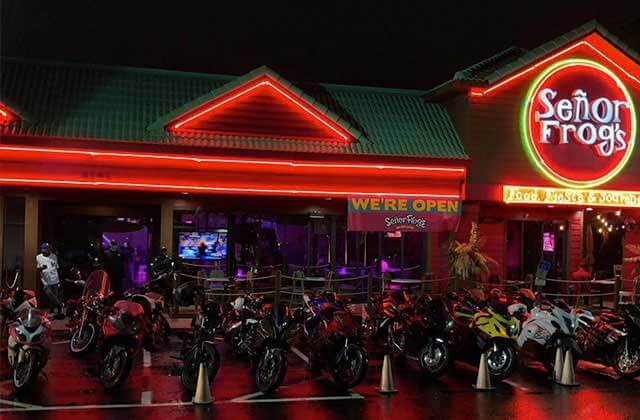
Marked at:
<point>80,234</point>
<point>529,242</point>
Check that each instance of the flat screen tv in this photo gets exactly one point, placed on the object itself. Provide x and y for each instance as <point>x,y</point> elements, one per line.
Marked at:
<point>209,245</point>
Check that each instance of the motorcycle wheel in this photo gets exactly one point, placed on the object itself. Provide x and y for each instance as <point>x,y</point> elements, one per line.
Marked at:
<point>24,374</point>
<point>271,369</point>
<point>626,361</point>
<point>434,358</point>
<point>83,340</point>
<point>501,360</point>
<point>115,367</point>
<point>351,369</point>
<point>191,368</point>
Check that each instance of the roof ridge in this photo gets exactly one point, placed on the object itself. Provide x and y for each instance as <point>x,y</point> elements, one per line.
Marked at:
<point>132,69</point>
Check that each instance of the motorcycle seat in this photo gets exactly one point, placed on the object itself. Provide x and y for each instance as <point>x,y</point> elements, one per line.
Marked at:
<point>612,319</point>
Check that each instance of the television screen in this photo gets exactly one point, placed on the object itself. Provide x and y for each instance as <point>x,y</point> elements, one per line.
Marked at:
<point>210,245</point>
<point>548,242</point>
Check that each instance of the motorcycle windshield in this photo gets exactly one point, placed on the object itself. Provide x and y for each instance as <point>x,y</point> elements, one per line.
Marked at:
<point>31,318</point>
<point>97,285</point>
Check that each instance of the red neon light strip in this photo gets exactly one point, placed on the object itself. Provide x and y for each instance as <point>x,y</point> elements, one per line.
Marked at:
<point>220,189</point>
<point>234,161</point>
<point>253,87</point>
<point>476,92</point>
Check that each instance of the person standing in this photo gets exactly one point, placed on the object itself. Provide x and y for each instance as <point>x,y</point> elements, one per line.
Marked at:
<point>47,265</point>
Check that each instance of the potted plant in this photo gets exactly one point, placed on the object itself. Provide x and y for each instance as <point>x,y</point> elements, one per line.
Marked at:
<point>467,263</point>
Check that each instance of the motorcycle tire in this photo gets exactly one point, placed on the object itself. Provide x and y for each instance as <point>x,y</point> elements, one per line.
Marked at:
<point>24,374</point>
<point>191,368</point>
<point>434,358</point>
<point>86,347</point>
<point>549,358</point>
<point>501,369</point>
<point>271,369</point>
<point>125,359</point>
<point>346,376</point>
<point>618,363</point>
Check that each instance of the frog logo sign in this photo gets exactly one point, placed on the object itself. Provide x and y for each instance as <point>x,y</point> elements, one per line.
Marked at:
<point>578,123</point>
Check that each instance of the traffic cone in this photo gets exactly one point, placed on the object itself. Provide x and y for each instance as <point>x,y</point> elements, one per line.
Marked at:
<point>386,380</point>
<point>203,390</point>
<point>568,375</point>
<point>558,365</point>
<point>483,382</point>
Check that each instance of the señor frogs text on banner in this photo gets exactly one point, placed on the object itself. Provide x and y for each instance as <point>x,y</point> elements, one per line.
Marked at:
<point>391,214</point>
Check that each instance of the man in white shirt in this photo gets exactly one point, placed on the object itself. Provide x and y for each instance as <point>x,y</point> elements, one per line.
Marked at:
<point>47,265</point>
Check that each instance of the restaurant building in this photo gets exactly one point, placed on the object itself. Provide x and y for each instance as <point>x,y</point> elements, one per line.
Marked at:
<point>537,146</point>
<point>256,167</point>
<point>554,170</point>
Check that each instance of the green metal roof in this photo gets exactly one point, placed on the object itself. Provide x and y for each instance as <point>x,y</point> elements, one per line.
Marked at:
<point>133,104</point>
<point>512,59</point>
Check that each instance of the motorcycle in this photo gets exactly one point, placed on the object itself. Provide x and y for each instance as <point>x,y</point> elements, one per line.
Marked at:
<point>419,329</point>
<point>29,346</point>
<point>87,314</point>
<point>334,340</point>
<point>239,322</point>
<point>154,311</point>
<point>270,344</point>
<point>201,348</point>
<point>611,339</point>
<point>12,305</point>
<point>485,326</point>
<point>123,330</point>
<point>551,324</point>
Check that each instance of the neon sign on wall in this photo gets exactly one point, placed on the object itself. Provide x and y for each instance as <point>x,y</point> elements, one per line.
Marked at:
<point>578,123</point>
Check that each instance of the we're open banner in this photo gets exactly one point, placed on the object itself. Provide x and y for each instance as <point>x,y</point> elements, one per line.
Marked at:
<point>389,214</point>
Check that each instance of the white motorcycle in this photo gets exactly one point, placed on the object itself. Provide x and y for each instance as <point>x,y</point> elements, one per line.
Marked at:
<point>29,345</point>
<point>550,325</point>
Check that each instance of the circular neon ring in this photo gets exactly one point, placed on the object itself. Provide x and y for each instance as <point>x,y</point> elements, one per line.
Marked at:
<point>527,139</point>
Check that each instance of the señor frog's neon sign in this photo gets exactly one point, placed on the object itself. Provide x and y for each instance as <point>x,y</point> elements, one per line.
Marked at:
<point>578,123</point>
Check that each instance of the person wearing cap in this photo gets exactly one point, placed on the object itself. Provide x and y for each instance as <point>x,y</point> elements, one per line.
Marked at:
<point>47,265</point>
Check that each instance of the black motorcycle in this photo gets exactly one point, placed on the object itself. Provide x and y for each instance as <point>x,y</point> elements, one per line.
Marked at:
<point>419,329</point>
<point>239,323</point>
<point>334,340</point>
<point>270,344</point>
<point>201,348</point>
<point>610,339</point>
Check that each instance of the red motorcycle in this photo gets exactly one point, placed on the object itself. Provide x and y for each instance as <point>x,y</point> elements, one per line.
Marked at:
<point>123,331</point>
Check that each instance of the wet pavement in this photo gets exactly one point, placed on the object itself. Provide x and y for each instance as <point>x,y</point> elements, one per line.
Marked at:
<point>70,390</point>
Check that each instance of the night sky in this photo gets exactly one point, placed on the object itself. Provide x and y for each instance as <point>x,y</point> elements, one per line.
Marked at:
<point>375,42</point>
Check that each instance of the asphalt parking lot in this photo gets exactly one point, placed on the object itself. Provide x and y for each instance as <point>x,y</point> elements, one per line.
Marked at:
<point>69,389</point>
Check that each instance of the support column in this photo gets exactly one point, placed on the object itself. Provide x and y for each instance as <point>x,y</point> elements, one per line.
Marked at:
<point>1,235</point>
<point>426,253</point>
<point>166,226</point>
<point>332,246</point>
<point>31,230</point>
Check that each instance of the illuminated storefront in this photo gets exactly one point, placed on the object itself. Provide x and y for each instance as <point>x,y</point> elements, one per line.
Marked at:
<point>95,153</point>
<point>552,136</point>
